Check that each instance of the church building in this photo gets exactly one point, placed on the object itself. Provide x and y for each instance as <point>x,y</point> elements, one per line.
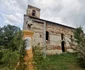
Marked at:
<point>54,36</point>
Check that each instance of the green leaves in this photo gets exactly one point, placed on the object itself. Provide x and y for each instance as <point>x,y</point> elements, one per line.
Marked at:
<point>80,40</point>
<point>10,37</point>
<point>78,34</point>
<point>38,60</point>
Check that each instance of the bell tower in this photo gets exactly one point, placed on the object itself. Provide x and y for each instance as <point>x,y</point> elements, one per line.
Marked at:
<point>33,11</point>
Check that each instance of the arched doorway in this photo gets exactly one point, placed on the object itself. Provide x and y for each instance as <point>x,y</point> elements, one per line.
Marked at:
<point>63,46</point>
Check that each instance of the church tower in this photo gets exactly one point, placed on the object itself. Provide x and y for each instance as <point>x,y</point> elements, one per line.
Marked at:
<point>33,11</point>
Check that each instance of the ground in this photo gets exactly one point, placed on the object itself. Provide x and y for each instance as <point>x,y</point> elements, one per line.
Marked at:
<point>65,61</point>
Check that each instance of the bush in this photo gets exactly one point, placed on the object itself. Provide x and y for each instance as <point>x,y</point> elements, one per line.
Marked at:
<point>81,62</point>
<point>80,40</point>
<point>1,55</point>
<point>9,60</point>
<point>40,63</point>
<point>22,65</point>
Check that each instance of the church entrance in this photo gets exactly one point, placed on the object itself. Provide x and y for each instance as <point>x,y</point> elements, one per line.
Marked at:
<point>63,46</point>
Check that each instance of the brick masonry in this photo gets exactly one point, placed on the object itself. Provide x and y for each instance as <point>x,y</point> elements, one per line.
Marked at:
<point>55,30</point>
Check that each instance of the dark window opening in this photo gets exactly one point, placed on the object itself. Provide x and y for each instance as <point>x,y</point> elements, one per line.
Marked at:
<point>71,37</point>
<point>63,47</point>
<point>33,13</point>
<point>47,35</point>
<point>62,36</point>
<point>40,36</point>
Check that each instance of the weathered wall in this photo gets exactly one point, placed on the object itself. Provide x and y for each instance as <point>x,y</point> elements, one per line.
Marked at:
<point>55,31</point>
<point>38,30</point>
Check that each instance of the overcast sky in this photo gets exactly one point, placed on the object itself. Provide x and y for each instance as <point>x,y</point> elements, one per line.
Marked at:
<point>66,12</point>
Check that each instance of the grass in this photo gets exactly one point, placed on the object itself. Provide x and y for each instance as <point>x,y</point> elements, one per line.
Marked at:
<point>65,61</point>
<point>9,60</point>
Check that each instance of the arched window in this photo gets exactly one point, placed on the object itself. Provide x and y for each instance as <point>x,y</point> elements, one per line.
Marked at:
<point>33,12</point>
<point>71,37</point>
<point>62,36</point>
<point>47,35</point>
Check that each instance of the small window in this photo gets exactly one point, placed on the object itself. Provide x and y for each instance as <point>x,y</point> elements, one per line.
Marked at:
<point>71,37</point>
<point>33,12</point>
<point>62,36</point>
<point>47,35</point>
<point>40,36</point>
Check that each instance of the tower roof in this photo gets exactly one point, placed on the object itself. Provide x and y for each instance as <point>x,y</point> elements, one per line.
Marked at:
<point>30,6</point>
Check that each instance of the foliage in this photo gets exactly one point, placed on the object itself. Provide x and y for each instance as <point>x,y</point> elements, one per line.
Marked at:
<point>10,44</point>
<point>9,60</point>
<point>14,51</point>
<point>1,55</point>
<point>65,61</point>
<point>81,62</point>
<point>16,42</point>
<point>80,40</point>
<point>10,37</point>
<point>78,34</point>
<point>22,65</point>
<point>39,61</point>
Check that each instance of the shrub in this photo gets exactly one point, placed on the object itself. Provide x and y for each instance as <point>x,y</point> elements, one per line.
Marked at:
<point>9,59</point>
<point>80,40</point>
<point>38,60</point>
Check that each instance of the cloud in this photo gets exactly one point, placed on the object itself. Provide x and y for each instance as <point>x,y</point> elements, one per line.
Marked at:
<point>66,12</point>
<point>13,14</point>
<point>74,14</point>
<point>12,19</point>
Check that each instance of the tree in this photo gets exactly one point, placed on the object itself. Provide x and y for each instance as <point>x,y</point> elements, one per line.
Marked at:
<point>16,42</point>
<point>78,35</point>
<point>1,36</point>
<point>10,37</point>
<point>80,40</point>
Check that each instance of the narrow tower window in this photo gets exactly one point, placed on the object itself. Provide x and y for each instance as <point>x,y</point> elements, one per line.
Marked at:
<point>47,35</point>
<point>33,12</point>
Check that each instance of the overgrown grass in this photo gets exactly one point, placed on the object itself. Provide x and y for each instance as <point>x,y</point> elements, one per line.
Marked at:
<point>8,59</point>
<point>65,61</point>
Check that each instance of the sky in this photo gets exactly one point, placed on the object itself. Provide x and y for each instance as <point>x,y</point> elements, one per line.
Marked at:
<point>66,12</point>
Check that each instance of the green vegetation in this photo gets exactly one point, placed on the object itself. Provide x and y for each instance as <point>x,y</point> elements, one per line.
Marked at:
<point>12,51</point>
<point>64,61</point>
<point>10,45</point>
<point>78,35</point>
<point>80,40</point>
<point>8,59</point>
<point>22,65</point>
<point>10,37</point>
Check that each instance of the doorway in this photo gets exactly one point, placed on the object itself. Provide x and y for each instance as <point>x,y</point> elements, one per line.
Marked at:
<point>63,46</point>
